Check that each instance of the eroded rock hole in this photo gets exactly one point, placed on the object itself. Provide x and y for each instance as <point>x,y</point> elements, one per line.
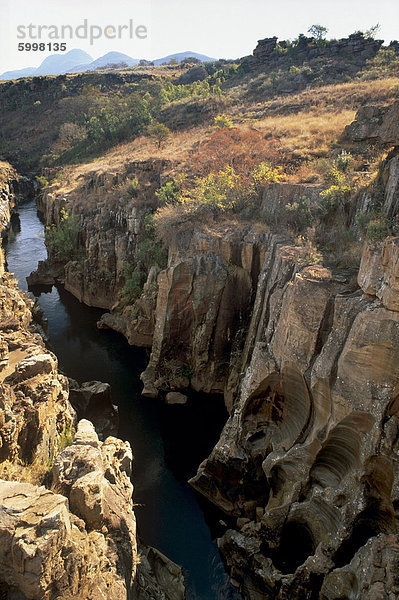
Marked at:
<point>368,525</point>
<point>296,546</point>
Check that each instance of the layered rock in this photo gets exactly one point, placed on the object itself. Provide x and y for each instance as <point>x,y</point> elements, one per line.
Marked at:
<point>377,123</point>
<point>109,224</point>
<point>204,300</point>
<point>344,55</point>
<point>81,544</point>
<point>77,539</point>
<point>307,459</point>
<point>92,401</point>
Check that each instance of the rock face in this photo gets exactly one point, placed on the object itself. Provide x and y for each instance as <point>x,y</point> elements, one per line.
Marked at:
<point>349,54</point>
<point>81,544</point>
<point>306,466</point>
<point>110,221</point>
<point>376,123</point>
<point>306,462</point>
<point>92,401</point>
<point>204,299</point>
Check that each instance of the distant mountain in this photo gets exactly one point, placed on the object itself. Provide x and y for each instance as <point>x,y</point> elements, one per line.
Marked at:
<point>181,56</point>
<point>60,63</point>
<point>77,61</point>
<point>52,65</point>
<point>111,58</point>
<point>18,73</point>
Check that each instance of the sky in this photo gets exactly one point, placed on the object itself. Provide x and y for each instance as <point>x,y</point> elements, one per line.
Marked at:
<point>218,28</point>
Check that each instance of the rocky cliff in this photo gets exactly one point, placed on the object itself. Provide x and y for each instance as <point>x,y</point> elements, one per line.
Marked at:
<point>308,361</point>
<point>67,524</point>
<point>307,462</point>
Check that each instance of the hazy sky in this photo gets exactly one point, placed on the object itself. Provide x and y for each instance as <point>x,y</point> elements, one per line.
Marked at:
<point>218,28</point>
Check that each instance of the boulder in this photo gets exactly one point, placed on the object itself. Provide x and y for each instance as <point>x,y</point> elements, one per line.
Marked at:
<point>175,398</point>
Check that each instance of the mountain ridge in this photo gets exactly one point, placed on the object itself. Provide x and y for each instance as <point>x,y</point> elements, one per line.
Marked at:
<point>76,61</point>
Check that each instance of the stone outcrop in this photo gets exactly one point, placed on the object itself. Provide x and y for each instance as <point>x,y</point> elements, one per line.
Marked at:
<point>136,322</point>
<point>306,466</point>
<point>92,401</point>
<point>379,272</point>
<point>77,539</point>
<point>344,55</point>
<point>81,541</point>
<point>379,124</point>
<point>110,221</point>
<point>375,123</point>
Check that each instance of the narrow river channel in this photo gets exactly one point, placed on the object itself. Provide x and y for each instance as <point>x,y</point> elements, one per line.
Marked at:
<point>168,442</point>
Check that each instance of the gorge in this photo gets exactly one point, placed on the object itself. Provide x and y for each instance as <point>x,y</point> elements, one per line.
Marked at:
<point>257,300</point>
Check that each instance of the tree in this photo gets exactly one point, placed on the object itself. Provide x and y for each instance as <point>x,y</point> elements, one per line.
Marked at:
<point>159,132</point>
<point>318,32</point>
<point>372,32</point>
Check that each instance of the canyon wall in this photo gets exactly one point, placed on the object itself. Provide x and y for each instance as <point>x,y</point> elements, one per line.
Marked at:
<point>67,524</point>
<point>307,357</point>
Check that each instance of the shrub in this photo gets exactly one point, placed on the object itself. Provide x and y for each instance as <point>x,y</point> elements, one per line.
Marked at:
<point>265,174</point>
<point>149,252</point>
<point>222,122</point>
<point>343,161</point>
<point>129,187</point>
<point>62,240</point>
<point>373,226</point>
<point>336,198</point>
<point>158,132</point>
<point>42,182</point>
<point>168,193</point>
<point>384,64</point>
<point>300,215</point>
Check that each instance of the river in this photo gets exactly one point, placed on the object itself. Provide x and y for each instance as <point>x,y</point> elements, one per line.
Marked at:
<point>168,442</point>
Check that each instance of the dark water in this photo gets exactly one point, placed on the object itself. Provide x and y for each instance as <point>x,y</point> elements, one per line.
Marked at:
<point>168,442</point>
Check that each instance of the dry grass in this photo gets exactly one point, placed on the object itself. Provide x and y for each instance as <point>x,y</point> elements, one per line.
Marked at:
<point>177,149</point>
<point>33,473</point>
<point>306,126</point>
<point>343,96</point>
<point>306,134</point>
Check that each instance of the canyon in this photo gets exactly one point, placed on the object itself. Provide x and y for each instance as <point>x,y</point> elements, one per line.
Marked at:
<point>241,279</point>
<point>74,536</point>
<point>305,354</point>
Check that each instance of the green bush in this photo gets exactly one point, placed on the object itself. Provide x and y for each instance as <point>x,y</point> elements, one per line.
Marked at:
<point>42,182</point>
<point>168,193</point>
<point>223,122</point>
<point>62,240</point>
<point>373,226</point>
<point>158,132</point>
<point>343,161</point>
<point>300,215</point>
<point>149,253</point>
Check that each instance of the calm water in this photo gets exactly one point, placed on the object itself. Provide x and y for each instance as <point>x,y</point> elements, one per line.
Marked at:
<point>168,442</point>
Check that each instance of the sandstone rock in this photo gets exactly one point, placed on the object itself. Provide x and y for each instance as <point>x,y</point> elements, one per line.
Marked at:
<point>202,296</point>
<point>39,364</point>
<point>175,398</point>
<point>376,123</point>
<point>95,477</point>
<point>45,551</point>
<point>379,272</point>
<point>303,454</point>
<point>373,573</point>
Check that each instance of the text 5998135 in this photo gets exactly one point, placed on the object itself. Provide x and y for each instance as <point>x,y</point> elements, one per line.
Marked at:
<point>42,47</point>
